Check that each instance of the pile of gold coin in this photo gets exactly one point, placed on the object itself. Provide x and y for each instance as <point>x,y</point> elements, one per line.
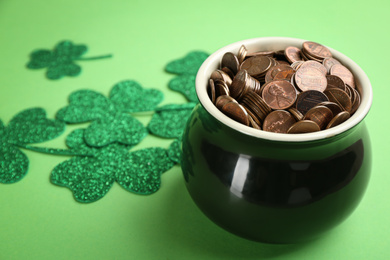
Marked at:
<point>285,91</point>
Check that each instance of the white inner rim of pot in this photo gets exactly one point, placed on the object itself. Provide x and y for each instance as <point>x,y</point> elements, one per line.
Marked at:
<point>278,43</point>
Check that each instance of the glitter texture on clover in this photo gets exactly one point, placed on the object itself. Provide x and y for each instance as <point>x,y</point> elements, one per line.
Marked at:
<point>28,126</point>
<point>185,84</point>
<point>111,121</point>
<point>169,120</point>
<point>91,177</point>
<point>186,68</point>
<point>189,64</point>
<point>60,61</point>
<point>174,151</point>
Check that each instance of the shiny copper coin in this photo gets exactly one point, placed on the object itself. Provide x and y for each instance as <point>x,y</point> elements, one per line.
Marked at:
<point>253,123</point>
<point>315,64</point>
<point>279,94</point>
<point>310,79</point>
<point>257,99</point>
<point>222,100</point>
<point>344,73</point>
<point>242,52</point>
<point>340,97</point>
<point>350,92</point>
<point>220,74</point>
<point>256,104</point>
<point>303,126</point>
<point>318,88</point>
<point>242,83</point>
<point>348,89</point>
<point>296,65</point>
<point>230,61</point>
<point>332,106</point>
<point>356,102</point>
<point>334,81</point>
<point>292,81</point>
<point>253,116</point>
<point>273,64</point>
<point>256,65</point>
<point>264,107</point>
<point>238,83</point>
<point>221,88</point>
<point>228,71</point>
<point>304,57</point>
<point>256,112</point>
<point>278,121</point>
<point>329,62</point>
<point>269,76</point>
<point>285,74</point>
<point>308,57</point>
<point>309,99</point>
<point>338,119</point>
<point>296,114</point>
<point>320,115</point>
<point>211,90</point>
<point>293,54</point>
<point>262,88</point>
<point>252,84</point>
<point>261,53</point>
<point>316,50</point>
<point>236,112</point>
<point>254,107</point>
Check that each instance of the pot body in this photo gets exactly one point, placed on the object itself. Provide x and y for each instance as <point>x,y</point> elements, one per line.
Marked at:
<point>274,191</point>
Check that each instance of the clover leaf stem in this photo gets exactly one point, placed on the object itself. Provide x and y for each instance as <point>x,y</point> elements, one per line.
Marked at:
<point>95,58</point>
<point>47,150</point>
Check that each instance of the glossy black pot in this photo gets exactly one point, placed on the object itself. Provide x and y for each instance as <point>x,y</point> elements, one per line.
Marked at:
<point>269,187</point>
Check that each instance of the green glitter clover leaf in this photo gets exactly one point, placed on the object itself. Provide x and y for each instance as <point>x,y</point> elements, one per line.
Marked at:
<point>174,151</point>
<point>13,163</point>
<point>186,68</point>
<point>129,96</point>
<point>141,170</point>
<point>190,64</point>
<point>85,106</point>
<point>169,120</point>
<point>185,84</point>
<point>87,177</point>
<point>60,61</point>
<point>122,128</point>
<point>90,178</point>
<point>28,126</point>
<point>76,143</point>
<point>111,121</point>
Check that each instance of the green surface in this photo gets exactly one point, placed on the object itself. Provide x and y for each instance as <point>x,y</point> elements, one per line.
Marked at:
<point>39,220</point>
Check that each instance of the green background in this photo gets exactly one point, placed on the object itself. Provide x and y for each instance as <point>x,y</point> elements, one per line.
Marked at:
<point>39,220</point>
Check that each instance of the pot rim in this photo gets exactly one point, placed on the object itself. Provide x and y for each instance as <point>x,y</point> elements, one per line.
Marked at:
<point>277,43</point>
